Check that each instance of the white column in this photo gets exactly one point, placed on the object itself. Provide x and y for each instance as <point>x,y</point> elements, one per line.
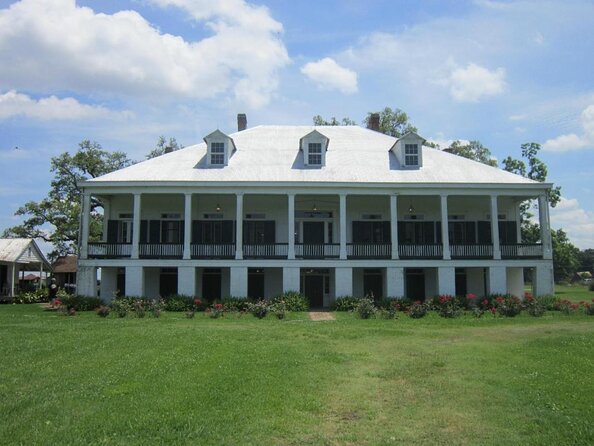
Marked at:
<point>106,216</point>
<point>446,280</point>
<point>291,226</point>
<point>291,279</point>
<point>12,278</point>
<point>40,275</point>
<point>394,226</point>
<point>109,283</point>
<point>239,228</point>
<point>342,211</point>
<point>544,281</point>
<point>186,280</point>
<point>135,232</point>
<point>518,223</point>
<point>187,226</point>
<point>495,228</point>
<point>86,281</point>
<point>496,280</point>
<point>444,227</point>
<point>238,281</point>
<point>84,239</point>
<point>135,281</point>
<point>395,282</point>
<point>545,227</point>
<point>515,282</point>
<point>343,282</point>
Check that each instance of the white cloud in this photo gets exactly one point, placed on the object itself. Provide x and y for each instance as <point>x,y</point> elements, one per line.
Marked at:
<point>571,141</point>
<point>473,83</point>
<point>73,48</point>
<point>575,221</point>
<point>51,108</point>
<point>328,75</point>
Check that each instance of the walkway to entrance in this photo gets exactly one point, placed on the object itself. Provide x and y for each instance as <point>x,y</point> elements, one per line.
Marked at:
<point>321,316</point>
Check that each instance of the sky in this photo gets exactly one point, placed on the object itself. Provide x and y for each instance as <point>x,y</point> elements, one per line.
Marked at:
<point>122,73</point>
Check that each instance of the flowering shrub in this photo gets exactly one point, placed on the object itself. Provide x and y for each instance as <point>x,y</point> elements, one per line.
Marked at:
<point>279,309</point>
<point>389,313</point>
<point>532,306</point>
<point>293,300</point>
<point>346,303</point>
<point>155,307</point>
<point>80,303</point>
<point>232,303</point>
<point>31,297</point>
<point>139,308</point>
<point>121,306</point>
<point>589,308</point>
<point>567,307</point>
<point>260,309</point>
<point>103,311</point>
<point>447,306</point>
<point>215,311</point>
<point>365,308</point>
<point>508,306</point>
<point>418,309</point>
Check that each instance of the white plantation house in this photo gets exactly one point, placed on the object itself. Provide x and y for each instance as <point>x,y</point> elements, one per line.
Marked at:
<point>330,211</point>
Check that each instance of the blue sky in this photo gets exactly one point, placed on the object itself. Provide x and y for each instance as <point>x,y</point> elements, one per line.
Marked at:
<point>124,72</point>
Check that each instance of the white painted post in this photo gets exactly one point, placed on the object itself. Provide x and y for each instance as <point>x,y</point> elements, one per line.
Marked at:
<point>135,281</point>
<point>395,282</point>
<point>291,225</point>
<point>497,280</point>
<point>495,228</point>
<point>544,281</point>
<point>394,226</point>
<point>291,279</point>
<point>135,232</point>
<point>545,227</point>
<point>342,211</point>
<point>12,280</point>
<point>187,226</point>
<point>343,282</point>
<point>86,209</point>
<point>444,227</point>
<point>238,281</point>
<point>106,216</point>
<point>446,281</point>
<point>109,283</point>
<point>239,227</point>
<point>186,280</point>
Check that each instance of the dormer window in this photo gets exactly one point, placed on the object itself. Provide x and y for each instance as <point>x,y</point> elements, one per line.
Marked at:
<point>411,154</point>
<point>219,148</point>
<point>217,153</point>
<point>314,154</point>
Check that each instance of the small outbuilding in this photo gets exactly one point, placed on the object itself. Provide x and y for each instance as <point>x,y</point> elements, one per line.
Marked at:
<point>16,255</point>
<point>64,271</point>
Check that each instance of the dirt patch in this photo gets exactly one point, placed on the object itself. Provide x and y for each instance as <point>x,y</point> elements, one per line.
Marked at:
<point>321,316</point>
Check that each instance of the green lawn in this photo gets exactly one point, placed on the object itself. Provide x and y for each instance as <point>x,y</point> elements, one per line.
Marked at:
<point>242,381</point>
<point>574,293</point>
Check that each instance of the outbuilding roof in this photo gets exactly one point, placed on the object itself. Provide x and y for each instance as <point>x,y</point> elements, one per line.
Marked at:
<point>271,154</point>
<point>22,250</point>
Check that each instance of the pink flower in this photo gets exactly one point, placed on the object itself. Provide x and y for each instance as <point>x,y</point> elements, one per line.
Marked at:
<point>493,310</point>
<point>471,296</point>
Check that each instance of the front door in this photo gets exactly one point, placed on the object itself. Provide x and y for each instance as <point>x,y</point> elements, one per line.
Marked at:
<point>168,282</point>
<point>211,284</point>
<point>415,285</point>
<point>255,284</point>
<point>314,290</point>
<point>373,284</point>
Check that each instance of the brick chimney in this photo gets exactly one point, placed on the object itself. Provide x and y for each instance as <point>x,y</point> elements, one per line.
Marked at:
<point>241,122</point>
<point>374,122</point>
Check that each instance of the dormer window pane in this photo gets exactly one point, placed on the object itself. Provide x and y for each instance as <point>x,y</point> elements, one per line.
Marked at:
<point>411,152</point>
<point>217,153</point>
<point>314,153</point>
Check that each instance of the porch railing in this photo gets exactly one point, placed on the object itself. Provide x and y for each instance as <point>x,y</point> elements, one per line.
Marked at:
<point>317,251</point>
<point>521,251</point>
<point>471,251</point>
<point>266,251</point>
<point>369,251</point>
<point>213,251</point>
<point>102,250</point>
<point>429,251</point>
<point>160,250</point>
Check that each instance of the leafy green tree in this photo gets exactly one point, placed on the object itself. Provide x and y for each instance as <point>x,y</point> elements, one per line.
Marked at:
<point>586,258</point>
<point>474,150</point>
<point>55,218</point>
<point>565,257</point>
<point>163,146</point>
<point>319,120</point>
<point>392,122</point>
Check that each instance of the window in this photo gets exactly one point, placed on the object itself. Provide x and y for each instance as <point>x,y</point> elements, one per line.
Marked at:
<point>314,156</point>
<point>170,231</point>
<point>411,154</point>
<point>124,231</point>
<point>217,153</point>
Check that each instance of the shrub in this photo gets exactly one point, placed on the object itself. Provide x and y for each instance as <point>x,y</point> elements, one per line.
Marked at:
<point>81,303</point>
<point>232,303</point>
<point>259,309</point>
<point>103,311</point>
<point>567,307</point>
<point>508,306</point>
<point>139,308</point>
<point>346,303</point>
<point>418,309</point>
<point>388,313</point>
<point>591,286</point>
<point>549,302</point>
<point>31,297</point>
<point>447,306</point>
<point>533,307</point>
<point>121,306</point>
<point>365,308</point>
<point>293,300</point>
<point>155,307</point>
<point>589,308</point>
<point>279,309</point>
<point>177,302</point>
<point>215,311</point>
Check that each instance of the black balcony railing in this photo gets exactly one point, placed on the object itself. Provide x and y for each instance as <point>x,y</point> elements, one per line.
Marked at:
<point>266,251</point>
<point>317,251</point>
<point>213,251</point>
<point>369,250</point>
<point>160,250</point>
<point>428,251</point>
<point>521,251</point>
<point>102,250</point>
<point>471,251</point>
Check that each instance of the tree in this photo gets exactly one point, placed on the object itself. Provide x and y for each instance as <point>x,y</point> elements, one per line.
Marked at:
<point>474,150</point>
<point>163,146</point>
<point>565,257</point>
<point>319,120</point>
<point>586,258</point>
<point>392,122</point>
<point>55,218</point>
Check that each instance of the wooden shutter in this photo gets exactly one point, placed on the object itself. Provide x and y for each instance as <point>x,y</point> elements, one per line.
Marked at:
<point>154,231</point>
<point>112,231</point>
<point>484,233</point>
<point>269,231</point>
<point>228,235</point>
<point>143,231</point>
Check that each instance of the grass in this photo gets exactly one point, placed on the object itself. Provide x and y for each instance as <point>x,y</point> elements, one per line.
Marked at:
<point>574,293</point>
<point>87,380</point>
